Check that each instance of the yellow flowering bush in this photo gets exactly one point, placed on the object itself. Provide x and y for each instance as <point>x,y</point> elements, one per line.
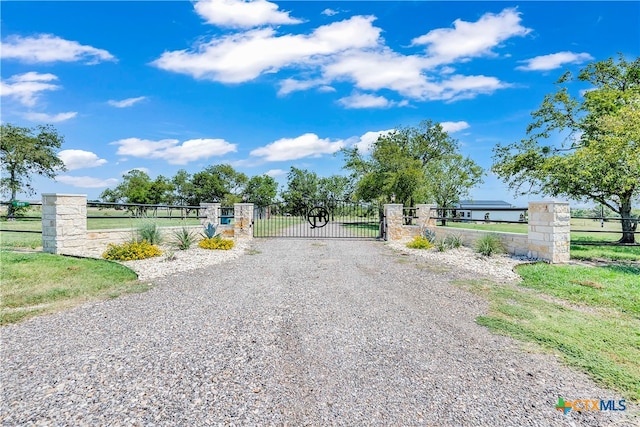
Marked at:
<point>216,243</point>
<point>420,242</point>
<point>131,251</point>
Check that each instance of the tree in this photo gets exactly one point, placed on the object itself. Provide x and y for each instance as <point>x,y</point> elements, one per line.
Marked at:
<point>600,159</point>
<point>335,187</point>
<point>183,191</point>
<point>261,190</point>
<point>398,161</point>
<point>302,186</point>
<point>450,178</point>
<point>218,183</point>
<point>25,152</point>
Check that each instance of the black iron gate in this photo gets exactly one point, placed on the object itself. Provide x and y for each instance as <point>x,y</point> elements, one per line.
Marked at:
<point>324,219</point>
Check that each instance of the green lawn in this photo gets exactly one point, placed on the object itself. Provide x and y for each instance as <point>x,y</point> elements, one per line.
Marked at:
<point>590,316</point>
<point>273,225</point>
<point>38,283</point>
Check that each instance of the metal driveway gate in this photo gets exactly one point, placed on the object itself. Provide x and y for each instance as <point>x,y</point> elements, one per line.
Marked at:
<point>324,219</point>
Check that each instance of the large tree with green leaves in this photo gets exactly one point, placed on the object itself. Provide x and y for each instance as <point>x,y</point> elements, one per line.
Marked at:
<point>138,187</point>
<point>400,162</point>
<point>261,190</point>
<point>25,152</point>
<point>450,178</point>
<point>600,158</point>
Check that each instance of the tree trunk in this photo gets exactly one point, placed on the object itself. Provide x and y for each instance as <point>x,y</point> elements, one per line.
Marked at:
<point>629,223</point>
<point>10,208</point>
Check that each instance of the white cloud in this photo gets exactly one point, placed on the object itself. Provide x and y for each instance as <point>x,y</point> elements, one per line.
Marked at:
<point>86,181</point>
<point>329,12</point>
<point>365,142</point>
<point>44,48</point>
<point>242,14</point>
<point>452,127</point>
<point>26,87</point>
<point>50,118</point>
<point>471,39</point>
<point>307,145</point>
<point>126,102</point>
<point>242,57</point>
<point>79,159</point>
<point>365,100</point>
<point>406,75</point>
<point>275,172</point>
<point>553,61</point>
<point>172,150</point>
<point>352,50</point>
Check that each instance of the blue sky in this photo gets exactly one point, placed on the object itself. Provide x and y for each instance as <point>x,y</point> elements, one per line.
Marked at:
<point>264,86</point>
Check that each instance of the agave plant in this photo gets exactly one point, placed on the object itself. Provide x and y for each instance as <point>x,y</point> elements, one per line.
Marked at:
<point>210,231</point>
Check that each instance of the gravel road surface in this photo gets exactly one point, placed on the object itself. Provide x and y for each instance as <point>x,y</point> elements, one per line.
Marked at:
<point>295,332</point>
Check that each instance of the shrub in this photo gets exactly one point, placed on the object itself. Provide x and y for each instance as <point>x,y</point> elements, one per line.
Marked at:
<point>488,245</point>
<point>453,241</point>
<point>184,238</point>
<point>216,243</point>
<point>131,251</point>
<point>420,242</point>
<point>441,245</point>
<point>150,232</point>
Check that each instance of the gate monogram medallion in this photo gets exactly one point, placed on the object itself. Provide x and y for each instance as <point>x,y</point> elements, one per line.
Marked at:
<point>318,217</point>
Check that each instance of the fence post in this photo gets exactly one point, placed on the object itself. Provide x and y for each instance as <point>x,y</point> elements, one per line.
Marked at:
<point>243,220</point>
<point>426,216</point>
<point>549,231</point>
<point>211,214</point>
<point>64,223</point>
<point>393,221</point>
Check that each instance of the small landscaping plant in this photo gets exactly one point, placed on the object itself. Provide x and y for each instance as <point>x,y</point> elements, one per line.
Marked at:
<point>209,231</point>
<point>441,245</point>
<point>430,235</point>
<point>216,243</point>
<point>453,241</point>
<point>131,251</point>
<point>184,238</point>
<point>420,242</point>
<point>150,232</point>
<point>488,245</point>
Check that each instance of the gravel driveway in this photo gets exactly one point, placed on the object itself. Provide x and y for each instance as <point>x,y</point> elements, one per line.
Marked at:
<point>297,332</point>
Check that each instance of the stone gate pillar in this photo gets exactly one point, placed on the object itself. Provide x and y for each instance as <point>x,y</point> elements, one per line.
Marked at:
<point>64,223</point>
<point>210,214</point>
<point>426,216</point>
<point>393,221</point>
<point>549,231</point>
<point>243,220</point>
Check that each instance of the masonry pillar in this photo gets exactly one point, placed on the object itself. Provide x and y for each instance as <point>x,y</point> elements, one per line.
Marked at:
<point>64,223</point>
<point>243,220</point>
<point>426,216</point>
<point>549,231</point>
<point>211,214</point>
<point>393,221</point>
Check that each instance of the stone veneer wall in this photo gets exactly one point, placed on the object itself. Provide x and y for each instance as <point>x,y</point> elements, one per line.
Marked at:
<point>548,235</point>
<point>64,226</point>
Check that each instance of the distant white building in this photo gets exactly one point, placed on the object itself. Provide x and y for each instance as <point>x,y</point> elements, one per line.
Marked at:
<point>489,210</point>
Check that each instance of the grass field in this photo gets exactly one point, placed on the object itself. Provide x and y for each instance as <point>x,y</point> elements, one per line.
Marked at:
<point>590,316</point>
<point>109,219</point>
<point>37,283</point>
<point>273,225</point>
